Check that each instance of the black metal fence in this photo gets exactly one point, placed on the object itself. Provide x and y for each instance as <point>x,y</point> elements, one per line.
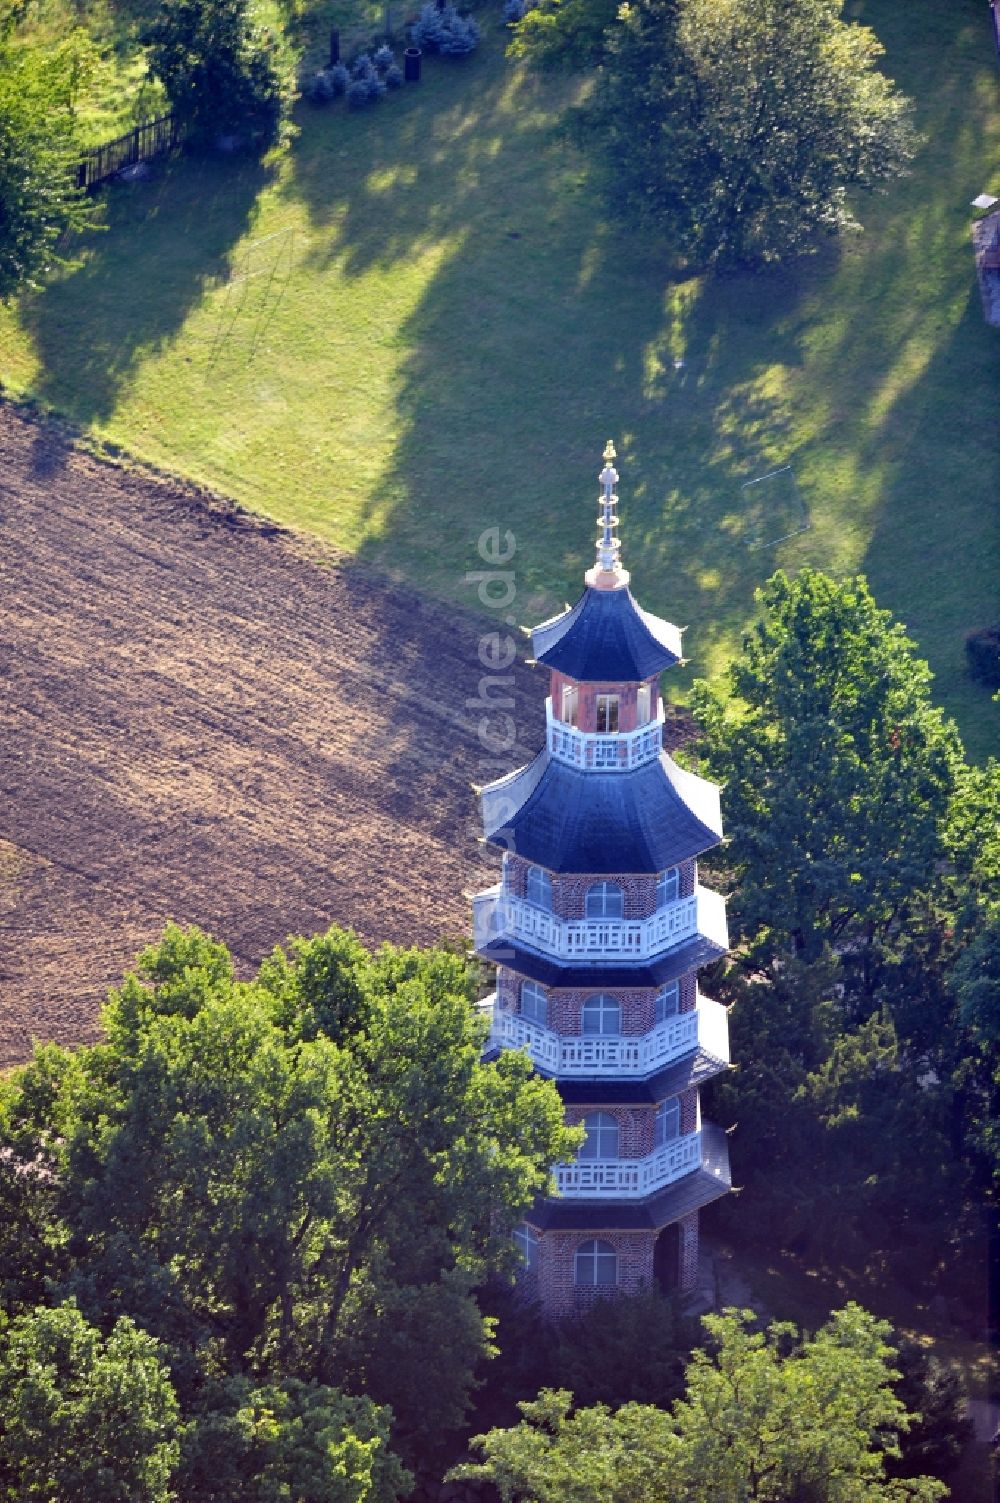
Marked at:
<point>147,140</point>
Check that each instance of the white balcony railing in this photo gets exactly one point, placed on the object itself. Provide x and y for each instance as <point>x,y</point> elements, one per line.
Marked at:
<point>628,1054</point>
<point>629,1179</point>
<point>618,753</point>
<point>496,914</point>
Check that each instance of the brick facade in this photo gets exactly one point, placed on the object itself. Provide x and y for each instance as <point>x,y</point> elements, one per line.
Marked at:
<point>565,1005</point>
<point>586,701</point>
<point>688,1270</point>
<point>569,891</point>
<point>555,1280</point>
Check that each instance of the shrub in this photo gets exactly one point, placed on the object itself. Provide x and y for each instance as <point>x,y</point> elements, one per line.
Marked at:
<point>444,31</point>
<point>339,77</point>
<point>428,29</point>
<point>362,66</point>
<point>222,73</point>
<point>374,85</point>
<point>394,76</point>
<point>513,11</point>
<point>357,94</point>
<point>460,37</point>
<point>982,648</point>
<point>383,57</point>
<point>320,88</point>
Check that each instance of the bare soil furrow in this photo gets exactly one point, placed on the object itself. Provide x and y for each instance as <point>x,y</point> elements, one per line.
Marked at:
<point>202,723</point>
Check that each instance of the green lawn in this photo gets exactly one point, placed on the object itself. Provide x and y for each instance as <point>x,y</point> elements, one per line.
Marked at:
<point>423,323</point>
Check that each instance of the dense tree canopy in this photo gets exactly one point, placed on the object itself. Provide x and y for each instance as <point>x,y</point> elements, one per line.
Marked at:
<point>82,1417</point>
<point>222,72</point>
<point>731,129</point>
<point>764,1419</point>
<point>299,1179</point>
<point>862,854</point>
<point>839,771</point>
<point>39,154</point>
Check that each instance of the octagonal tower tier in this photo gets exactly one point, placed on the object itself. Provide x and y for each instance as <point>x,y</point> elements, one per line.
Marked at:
<point>597,930</point>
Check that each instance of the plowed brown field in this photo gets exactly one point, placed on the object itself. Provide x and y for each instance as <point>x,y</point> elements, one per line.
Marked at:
<point>201,722</point>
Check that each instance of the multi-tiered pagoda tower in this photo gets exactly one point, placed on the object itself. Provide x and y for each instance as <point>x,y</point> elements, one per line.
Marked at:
<point>597,930</point>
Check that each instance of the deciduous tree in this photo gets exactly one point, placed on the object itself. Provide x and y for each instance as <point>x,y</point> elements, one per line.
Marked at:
<point>39,154</point>
<point>838,770</point>
<point>735,129</point>
<point>83,1417</point>
<point>223,73</point>
<point>764,1418</point>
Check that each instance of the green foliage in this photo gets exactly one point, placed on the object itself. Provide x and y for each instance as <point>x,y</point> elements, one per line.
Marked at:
<point>975,982</point>
<point>734,129</point>
<point>284,1440</point>
<point>862,851</point>
<point>624,1351</point>
<point>932,1392</point>
<point>83,1417</point>
<point>564,33</point>
<point>223,74</point>
<point>764,1418</point>
<point>299,1177</point>
<point>839,772</point>
<point>39,155</point>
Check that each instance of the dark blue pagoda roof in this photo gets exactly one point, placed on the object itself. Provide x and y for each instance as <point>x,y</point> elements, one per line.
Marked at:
<point>606,638</point>
<point>572,820</point>
<point>605,975</point>
<point>697,1189</point>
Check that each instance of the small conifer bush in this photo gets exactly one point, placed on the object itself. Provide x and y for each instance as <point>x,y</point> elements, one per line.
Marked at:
<point>339,77</point>
<point>444,31</point>
<point>362,66</point>
<point>461,37</point>
<point>394,76</point>
<point>383,57</point>
<point>320,88</point>
<point>357,94</point>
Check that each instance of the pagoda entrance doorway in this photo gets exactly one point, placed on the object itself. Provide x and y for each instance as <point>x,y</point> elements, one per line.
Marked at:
<point>667,1259</point>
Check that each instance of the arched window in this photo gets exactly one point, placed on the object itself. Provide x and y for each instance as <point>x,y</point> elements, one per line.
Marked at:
<point>668,1001</point>
<point>595,1263</point>
<point>668,886</point>
<point>605,900</point>
<point>538,887</point>
<point>601,1141</point>
<point>534,1003</point>
<point>668,1122</point>
<point>526,1242</point>
<point>602,1015</point>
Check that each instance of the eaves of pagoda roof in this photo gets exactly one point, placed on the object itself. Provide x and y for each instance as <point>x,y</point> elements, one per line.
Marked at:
<point>607,638</point>
<point>694,1070</point>
<point>581,820</point>
<point>700,1188</point>
<point>606,975</point>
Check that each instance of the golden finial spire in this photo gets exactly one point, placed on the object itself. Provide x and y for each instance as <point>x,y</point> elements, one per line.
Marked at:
<point>607,573</point>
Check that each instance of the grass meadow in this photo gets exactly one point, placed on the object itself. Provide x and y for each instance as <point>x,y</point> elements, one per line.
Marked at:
<point>422,322</point>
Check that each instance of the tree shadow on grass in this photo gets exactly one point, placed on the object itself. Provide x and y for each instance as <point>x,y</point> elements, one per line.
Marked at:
<point>546,327</point>
<point>95,323</point>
